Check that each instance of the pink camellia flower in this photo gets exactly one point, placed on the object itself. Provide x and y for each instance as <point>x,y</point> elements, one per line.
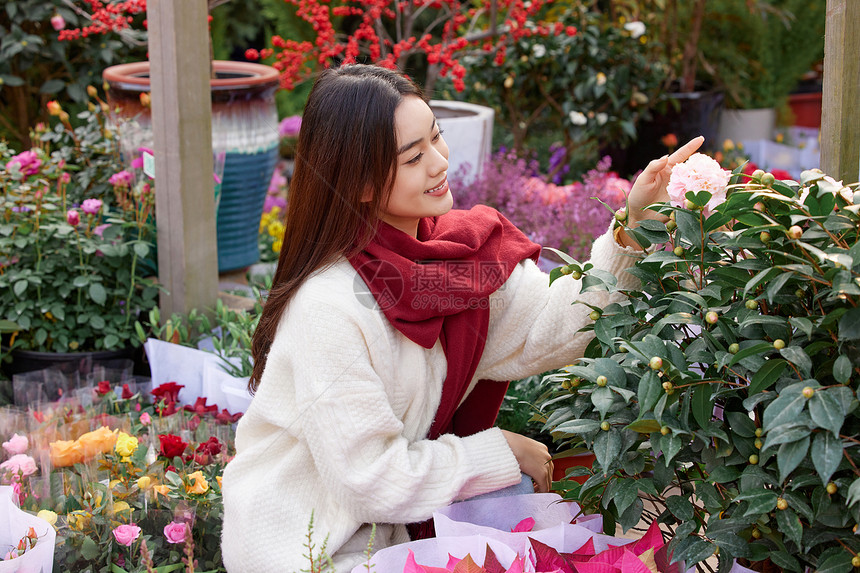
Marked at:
<point>290,126</point>
<point>126,534</point>
<point>145,419</point>
<point>28,162</point>
<point>73,217</point>
<point>17,444</point>
<point>19,464</point>
<point>58,22</point>
<point>698,173</point>
<point>174,532</point>
<point>123,178</point>
<point>91,206</point>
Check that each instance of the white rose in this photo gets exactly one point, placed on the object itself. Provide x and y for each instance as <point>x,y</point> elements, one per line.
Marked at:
<point>601,118</point>
<point>577,118</point>
<point>538,50</point>
<point>636,29</point>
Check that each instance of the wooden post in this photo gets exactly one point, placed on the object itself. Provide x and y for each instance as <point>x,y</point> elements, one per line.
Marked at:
<point>840,120</point>
<point>182,133</point>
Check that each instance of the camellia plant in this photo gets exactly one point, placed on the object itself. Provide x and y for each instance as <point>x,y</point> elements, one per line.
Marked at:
<point>719,398</point>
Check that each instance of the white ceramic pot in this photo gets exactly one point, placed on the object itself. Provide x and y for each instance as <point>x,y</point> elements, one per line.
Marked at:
<point>747,124</point>
<point>468,131</point>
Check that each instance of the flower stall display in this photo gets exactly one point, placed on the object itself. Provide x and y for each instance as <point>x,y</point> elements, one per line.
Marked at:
<point>72,276</point>
<point>720,398</point>
<point>127,482</point>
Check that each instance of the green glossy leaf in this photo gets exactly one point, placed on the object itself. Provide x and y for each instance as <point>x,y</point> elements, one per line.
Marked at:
<point>785,434</point>
<point>650,391</point>
<point>799,358</point>
<point>741,424</point>
<point>853,492</point>
<point>671,445</point>
<point>647,426</point>
<point>81,281</point>
<point>702,407</point>
<point>759,348</point>
<point>19,287</point>
<point>842,369</point>
<point>790,455</point>
<point>602,398</point>
<point>681,507</point>
<point>784,409</point>
<point>578,426</point>
<point>607,447</point>
<point>849,325</point>
<point>625,493</point>
<point>826,454</point>
<point>760,501</point>
<point>789,525</point>
<point>826,411</point>
<point>89,549</point>
<point>839,563</point>
<point>766,375</point>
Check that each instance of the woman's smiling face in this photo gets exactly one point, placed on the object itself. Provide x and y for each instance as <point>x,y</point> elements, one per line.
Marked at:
<point>421,183</point>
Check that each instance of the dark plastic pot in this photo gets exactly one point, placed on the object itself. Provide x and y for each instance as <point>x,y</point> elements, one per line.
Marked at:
<point>31,360</point>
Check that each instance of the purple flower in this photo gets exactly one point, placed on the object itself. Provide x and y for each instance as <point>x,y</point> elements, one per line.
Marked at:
<point>91,206</point>
<point>73,217</point>
<point>273,201</point>
<point>123,178</point>
<point>28,162</point>
<point>289,126</point>
<point>100,229</point>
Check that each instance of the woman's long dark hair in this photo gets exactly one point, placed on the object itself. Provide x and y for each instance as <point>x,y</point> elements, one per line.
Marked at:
<point>347,147</point>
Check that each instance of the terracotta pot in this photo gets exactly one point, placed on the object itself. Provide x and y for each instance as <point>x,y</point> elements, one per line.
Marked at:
<point>561,466</point>
<point>244,140</point>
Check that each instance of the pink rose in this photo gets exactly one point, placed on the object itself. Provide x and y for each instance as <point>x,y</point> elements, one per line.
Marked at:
<point>73,218</point>
<point>174,532</point>
<point>58,22</point>
<point>123,178</point>
<point>16,445</point>
<point>19,464</point>
<point>65,177</point>
<point>126,534</point>
<point>145,419</point>
<point>698,173</point>
<point>28,162</point>
<point>91,206</point>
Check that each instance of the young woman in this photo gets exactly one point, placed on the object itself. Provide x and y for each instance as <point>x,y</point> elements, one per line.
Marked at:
<point>390,313</point>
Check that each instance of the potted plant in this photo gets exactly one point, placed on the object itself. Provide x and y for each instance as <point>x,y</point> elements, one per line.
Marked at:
<point>720,398</point>
<point>761,57</point>
<point>72,262</point>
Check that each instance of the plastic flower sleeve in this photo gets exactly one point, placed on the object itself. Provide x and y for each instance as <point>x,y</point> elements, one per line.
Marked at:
<point>435,553</point>
<point>14,524</point>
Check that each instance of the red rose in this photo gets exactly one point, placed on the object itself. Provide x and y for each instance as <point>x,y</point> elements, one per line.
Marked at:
<point>207,450</point>
<point>103,388</point>
<point>171,446</point>
<point>126,392</point>
<point>201,408</point>
<point>169,391</point>
<point>225,417</point>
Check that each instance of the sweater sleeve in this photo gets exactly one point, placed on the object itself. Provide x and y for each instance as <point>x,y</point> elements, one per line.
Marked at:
<point>534,326</point>
<point>356,439</point>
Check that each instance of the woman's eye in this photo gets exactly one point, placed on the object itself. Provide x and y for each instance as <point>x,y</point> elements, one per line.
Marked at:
<point>414,159</point>
<point>437,136</point>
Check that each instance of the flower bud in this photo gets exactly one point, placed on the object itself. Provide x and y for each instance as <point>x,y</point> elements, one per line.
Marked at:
<point>73,218</point>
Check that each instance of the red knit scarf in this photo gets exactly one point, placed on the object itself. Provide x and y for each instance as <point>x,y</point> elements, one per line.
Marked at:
<point>437,287</point>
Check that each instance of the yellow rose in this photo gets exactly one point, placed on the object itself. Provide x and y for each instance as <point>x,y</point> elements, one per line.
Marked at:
<point>65,453</point>
<point>48,516</point>
<point>119,506</point>
<point>144,482</point>
<point>99,441</point>
<point>200,485</point>
<point>78,520</point>
<point>125,445</point>
<point>162,489</point>
<point>218,479</point>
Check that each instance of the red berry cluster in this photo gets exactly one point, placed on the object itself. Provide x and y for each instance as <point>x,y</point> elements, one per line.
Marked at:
<point>106,18</point>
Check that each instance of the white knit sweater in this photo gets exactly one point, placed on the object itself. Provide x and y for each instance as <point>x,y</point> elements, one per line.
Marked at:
<point>338,423</point>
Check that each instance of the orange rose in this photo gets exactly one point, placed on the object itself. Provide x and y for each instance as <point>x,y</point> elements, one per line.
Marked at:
<point>99,441</point>
<point>218,479</point>
<point>66,453</point>
<point>162,489</point>
<point>200,485</point>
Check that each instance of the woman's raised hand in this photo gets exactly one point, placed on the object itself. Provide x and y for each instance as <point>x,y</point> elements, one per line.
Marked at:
<point>650,186</point>
<point>534,459</point>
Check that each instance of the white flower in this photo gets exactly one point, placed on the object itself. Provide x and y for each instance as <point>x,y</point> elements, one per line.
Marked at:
<point>636,29</point>
<point>601,118</point>
<point>538,50</point>
<point>577,118</point>
<point>601,78</point>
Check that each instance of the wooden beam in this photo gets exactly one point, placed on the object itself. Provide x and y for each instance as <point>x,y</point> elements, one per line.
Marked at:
<point>840,119</point>
<point>182,133</point>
